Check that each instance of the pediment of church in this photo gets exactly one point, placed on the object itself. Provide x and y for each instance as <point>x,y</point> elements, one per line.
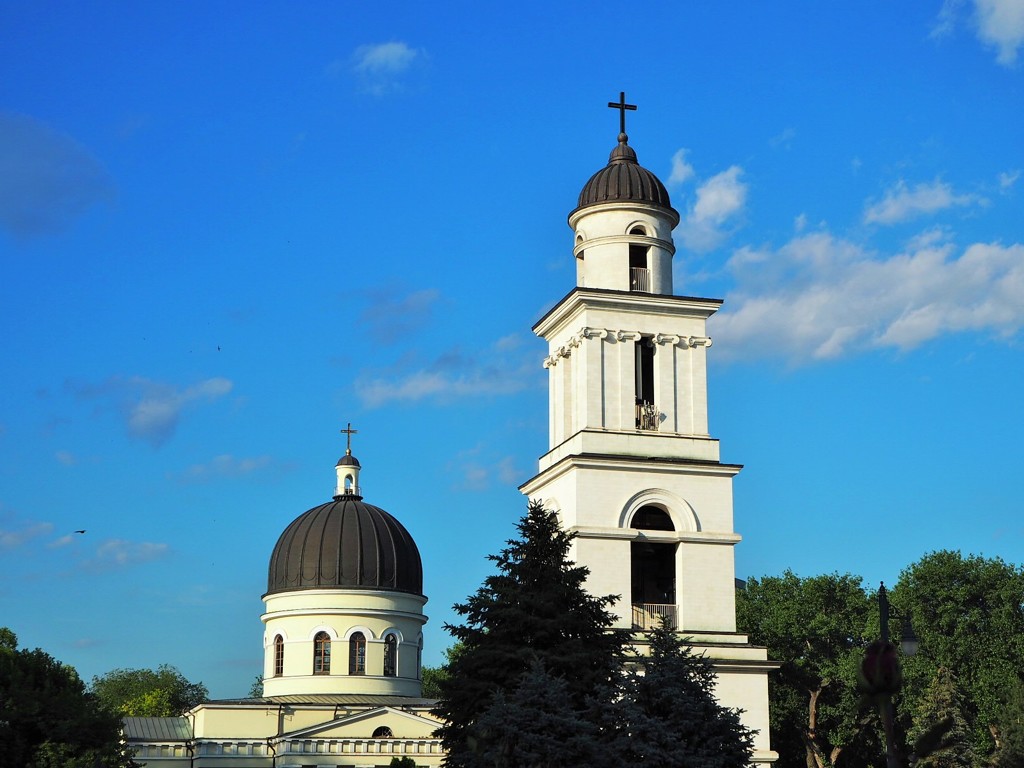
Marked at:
<point>362,725</point>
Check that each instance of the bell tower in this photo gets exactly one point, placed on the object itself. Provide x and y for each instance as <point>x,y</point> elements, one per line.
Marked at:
<point>631,467</point>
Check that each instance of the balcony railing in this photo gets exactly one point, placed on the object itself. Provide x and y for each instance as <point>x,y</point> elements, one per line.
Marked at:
<point>640,279</point>
<point>647,416</point>
<point>649,615</point>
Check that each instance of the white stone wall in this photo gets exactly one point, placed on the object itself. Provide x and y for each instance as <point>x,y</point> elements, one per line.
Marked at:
<point>299,615</point>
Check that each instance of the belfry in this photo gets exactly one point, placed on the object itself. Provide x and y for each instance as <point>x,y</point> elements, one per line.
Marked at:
<point>631,467</point>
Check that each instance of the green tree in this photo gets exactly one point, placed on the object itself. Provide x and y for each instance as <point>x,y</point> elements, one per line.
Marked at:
<point>670,716</point>
<point>943,705</point>
<point>402,762</point>
<point>256,689</point>
<point>48,719</point>
<point>968,613</point>
<point>1011,728</point>
<point>534,724</point>
<point>534,609</point>
<point>433,676</point>
<point>161,692</point>
<point>818,628</point>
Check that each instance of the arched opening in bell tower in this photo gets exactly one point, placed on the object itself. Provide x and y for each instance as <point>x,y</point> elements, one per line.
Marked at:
<point>639,269</point>
<point>653,571</point>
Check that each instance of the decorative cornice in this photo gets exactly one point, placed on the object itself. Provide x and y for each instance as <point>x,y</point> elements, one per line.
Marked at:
<point>622,335</point>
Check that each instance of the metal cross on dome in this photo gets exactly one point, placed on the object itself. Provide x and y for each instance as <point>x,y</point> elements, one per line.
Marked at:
<point>348,432</point>
<point>622,106</point>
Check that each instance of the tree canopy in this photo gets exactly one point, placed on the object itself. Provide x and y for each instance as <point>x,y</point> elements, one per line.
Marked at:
<point>161,692</point>
<point>968,614</point>
<point>535,609</point>
<point>540,677</point>
<point>47,717</point>
<point>818,628</point>
<point>671,718</point>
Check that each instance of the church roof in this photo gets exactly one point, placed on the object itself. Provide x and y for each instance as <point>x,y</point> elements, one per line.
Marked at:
<point>345,544</point>
<point>157,728</point>
<point>624,180</point>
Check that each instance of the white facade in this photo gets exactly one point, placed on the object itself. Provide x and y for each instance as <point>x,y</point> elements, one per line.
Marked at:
<point>360,625</point>
<point>631,468</point>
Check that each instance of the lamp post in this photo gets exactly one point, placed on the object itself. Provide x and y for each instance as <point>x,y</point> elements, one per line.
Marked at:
<point>880,673</point>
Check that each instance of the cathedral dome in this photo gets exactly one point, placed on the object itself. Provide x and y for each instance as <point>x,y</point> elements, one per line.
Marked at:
<point>345,544</point>
<point>624,180</point>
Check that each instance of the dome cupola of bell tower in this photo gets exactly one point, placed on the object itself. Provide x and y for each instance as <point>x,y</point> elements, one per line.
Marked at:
<point>623,224</point>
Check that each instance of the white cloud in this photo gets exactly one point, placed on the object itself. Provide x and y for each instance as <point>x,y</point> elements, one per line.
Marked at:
<point>1007,179</point>
<point>819,297</point>
<point>47,179</point>
<point>120,553</point>
<point>387,58</point>
<point>390,316</point>
<point>784,139</point>
<point>381,66</point>
<point>998,24</point>
<point>452,376</point>
<point>152,409</point>
<point>67,458</point>
<point>226,466</point>
<point>901,202</point>
<point>13,539</point>
<point>1001,25</point>
<point>800,222</point>
<point>720,200</point>
<point>475,474</point>
<point>682,171</point>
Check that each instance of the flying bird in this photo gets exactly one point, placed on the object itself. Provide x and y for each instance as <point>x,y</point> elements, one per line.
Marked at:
<point>81,531</point>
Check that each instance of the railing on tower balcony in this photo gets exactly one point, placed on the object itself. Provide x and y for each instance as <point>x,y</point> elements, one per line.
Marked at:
<point>650,615</point>
<point>647,416</point>
<point>640,279</point>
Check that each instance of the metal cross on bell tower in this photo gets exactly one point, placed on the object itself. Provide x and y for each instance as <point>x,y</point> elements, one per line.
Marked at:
<point>622,106</point>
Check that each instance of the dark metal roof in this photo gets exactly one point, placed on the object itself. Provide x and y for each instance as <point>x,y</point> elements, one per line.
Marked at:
<point>345,544</point>
<point>624,180</point>
<point>348,460</point>
<point>157,728</point>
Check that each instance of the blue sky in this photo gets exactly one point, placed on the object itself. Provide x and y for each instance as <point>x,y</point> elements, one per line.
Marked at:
<point>227,229</point>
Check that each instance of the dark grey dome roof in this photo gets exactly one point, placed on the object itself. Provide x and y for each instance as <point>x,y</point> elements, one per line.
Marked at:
<point>345,544</point>
<point>348,460</point>
<point>624,180</point>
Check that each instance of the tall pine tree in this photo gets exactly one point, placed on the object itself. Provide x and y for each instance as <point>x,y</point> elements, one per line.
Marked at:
<point>669,717</point>
<point>534,610</point>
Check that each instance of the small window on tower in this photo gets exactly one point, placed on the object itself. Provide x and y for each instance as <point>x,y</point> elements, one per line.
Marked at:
<point>390,656</point>
<point>278,656</point>
<point>639,273</point>
<point>322,654</point>
<point>357,654</point>
<point>646,411</point>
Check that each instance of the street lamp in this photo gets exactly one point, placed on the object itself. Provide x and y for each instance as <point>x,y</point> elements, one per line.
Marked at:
<point>908,640</point>
<point>880,674</point>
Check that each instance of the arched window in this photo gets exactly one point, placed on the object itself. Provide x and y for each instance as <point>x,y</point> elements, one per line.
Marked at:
<point>390,656</point>
<point>639,269</point>
<point>278,656</point>
<point>651,518</point>
<point>322,654</point>
<point>348,483</point>
<point>357,654</point>
<point>383,733</point>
